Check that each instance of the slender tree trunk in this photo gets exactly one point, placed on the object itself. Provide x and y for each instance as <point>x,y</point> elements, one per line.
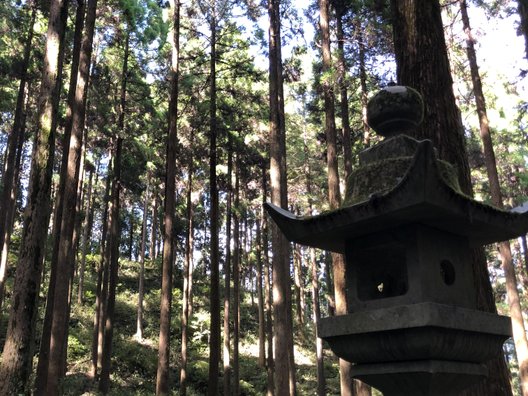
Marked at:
<point>334,195</point>
<point>362,49</point>
<point>299,292</point>
<point>522,8</point>
<point>284,369</point>
<point>101,288</point>
<point>154,225</point>
<point>187,273</point>
<point>214,340</point>
<point>112,247</point>
<point>227,271</point>
<point>236,280</point>
<point>131,233</point>
<point>267,290</point>
<point>422,63</point>
<point>524,244</point>
<point>114,240</point>
<point>141,280</point>
<point>260,296</point>
<point>15,139</point>
<point>17,355</point>
<point>321,381</point>
<point>343,88</point>
<point>519,332</point>
<point>162,379</point>
<point>85,239</point>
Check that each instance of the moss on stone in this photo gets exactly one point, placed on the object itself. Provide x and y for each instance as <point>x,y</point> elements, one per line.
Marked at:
<point>381,177</point>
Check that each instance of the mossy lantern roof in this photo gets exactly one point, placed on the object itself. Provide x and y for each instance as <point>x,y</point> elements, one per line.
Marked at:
<point>422,195</point>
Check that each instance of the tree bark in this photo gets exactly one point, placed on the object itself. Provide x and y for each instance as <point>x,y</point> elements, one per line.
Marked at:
<point>321,381</point>
<point>316,309</point>
<point>343,89</point>
<point>227,271</point>
<point>162,379</point>
<point>17,355</point>
<point>114,239</point>
<point>43,363</point>
<point>65,258</point>
<point>15,139</point>
<point>236,279</point>
<point>284,370</point>
<point>88,220</point>
<point>101,288</point>
<point>362,49</point>
<point>131,232</point>
<point>154,225</point>
<point>422,63</point>
<point>214,298</point>
<point>267,290</point>
<point>187,276</point>
<point>522,8</point>
<point>141,280</point>
<point>299,291</point>
<point>260,296</point>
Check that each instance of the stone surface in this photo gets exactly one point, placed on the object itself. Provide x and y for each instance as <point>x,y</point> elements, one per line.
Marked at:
<point>394,110</point>
<point>409,265</point>
<point>421,378</point>
<point>422,331</point>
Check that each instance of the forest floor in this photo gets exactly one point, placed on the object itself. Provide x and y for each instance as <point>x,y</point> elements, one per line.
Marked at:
<point>134,362</point>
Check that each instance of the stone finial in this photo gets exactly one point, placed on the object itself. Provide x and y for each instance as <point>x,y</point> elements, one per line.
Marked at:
<point>395,110</point>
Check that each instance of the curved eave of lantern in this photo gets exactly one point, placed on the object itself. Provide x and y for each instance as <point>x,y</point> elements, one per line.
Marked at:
<point>422,196</point>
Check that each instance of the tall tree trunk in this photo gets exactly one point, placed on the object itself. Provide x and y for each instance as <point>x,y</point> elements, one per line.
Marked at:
<point>519,333</point>
<point>214,298</point>
<point>65,258</point>
<point>260,296</point>
<point>114,240</point>
<point>284,369</point>
<point>42,368</point>
<point>297,275</point>
<point>524,245</point>
<point>267,289</point>
<point>236,279</point>
<point>362,49</point>
<point>422,63</point>
<point>112,247</point>
<point>88,220</point>
<point>522,8</point>
<point>187,273</point>
<point>141,280</point>
<point>227,271</point>
<point>131,234</point>
<point>17,355</point>
<point>334,195</point>
<point>343,89</point>
<point>162,379</point>
<point>154,225</point>
<point>101,287</point>
<point>321,381</point>
<point>14,140</point>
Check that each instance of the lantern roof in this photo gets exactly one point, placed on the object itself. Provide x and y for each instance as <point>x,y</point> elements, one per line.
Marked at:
<point>421,196</point>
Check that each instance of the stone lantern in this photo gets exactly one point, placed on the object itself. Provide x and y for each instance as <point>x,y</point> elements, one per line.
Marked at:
<point>412,326</point>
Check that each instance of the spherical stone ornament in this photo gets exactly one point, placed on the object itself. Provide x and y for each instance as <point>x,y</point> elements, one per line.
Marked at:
<point>395,110</point>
